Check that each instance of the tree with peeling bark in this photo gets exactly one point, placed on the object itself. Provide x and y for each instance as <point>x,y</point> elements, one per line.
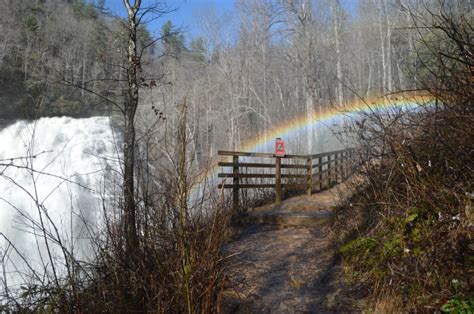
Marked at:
<point>137,16</point>
<point>130,108</point>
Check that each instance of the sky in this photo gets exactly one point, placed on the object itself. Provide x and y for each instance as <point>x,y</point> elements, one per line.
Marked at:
<point>186,13</point>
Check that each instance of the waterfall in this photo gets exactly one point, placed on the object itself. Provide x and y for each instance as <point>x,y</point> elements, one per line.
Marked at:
<point>55,174</point>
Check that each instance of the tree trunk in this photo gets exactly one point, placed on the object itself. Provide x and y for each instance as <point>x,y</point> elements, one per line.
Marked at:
<point>336,16</point>
<point>382,48</point>
<point>84,64</point>
<point>130,107</point>
<point>389,47</point>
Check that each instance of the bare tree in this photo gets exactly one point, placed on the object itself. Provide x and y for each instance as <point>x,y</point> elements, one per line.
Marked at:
<point>336,11</point>
<point>130,108</point>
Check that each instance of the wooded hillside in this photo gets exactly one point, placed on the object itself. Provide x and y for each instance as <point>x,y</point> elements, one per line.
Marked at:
<point>262,62</point>
<point>49,46</point>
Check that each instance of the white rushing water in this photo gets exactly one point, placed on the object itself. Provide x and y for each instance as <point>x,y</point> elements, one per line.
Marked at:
<point>53,174</point>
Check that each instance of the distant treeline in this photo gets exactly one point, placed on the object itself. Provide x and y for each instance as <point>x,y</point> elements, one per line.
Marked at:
<point>52,52</point>
<point>247,71</point>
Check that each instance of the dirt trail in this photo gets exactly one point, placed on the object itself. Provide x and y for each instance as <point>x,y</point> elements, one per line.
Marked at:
<point>286,269</point>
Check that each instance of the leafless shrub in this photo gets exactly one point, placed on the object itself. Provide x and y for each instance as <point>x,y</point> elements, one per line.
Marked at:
<point>415,238</point>
<point>176,265</point>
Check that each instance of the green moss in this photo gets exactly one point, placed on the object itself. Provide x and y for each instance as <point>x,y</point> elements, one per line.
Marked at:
<point>459,305</point>
<point>359,245</point>
<point>393,247</point>
<point>411,217</point>
<point>416,234</point>
<point>417,251</point>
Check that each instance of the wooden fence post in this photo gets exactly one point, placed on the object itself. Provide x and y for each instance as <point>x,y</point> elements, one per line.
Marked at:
<point>336,166</point>
<point>329,170</point>
<point>278,180</point>
<point>341,166</point>
<point>344,165</point>
<point>309,173</point>
<point>351,163</point>
<point>320,170</point>
<point>235,190</point>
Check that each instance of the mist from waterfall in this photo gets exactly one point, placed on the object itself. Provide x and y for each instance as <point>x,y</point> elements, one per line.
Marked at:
<point>55,174</point>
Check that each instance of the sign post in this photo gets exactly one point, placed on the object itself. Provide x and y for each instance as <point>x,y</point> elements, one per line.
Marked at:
<point>279,152</point>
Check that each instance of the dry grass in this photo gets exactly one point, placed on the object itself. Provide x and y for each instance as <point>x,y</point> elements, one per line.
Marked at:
<point>175,266</point>
<point>410,226</point>
<point>411,221</point>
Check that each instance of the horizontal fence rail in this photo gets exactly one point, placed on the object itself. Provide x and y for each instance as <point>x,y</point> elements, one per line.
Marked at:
<point>309,172</point>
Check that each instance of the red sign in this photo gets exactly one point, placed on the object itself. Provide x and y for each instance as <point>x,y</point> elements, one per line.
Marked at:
<point>279,147</point>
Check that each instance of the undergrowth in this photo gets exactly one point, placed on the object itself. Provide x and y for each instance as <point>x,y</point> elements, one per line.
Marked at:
<point>415,235</point>
<point>409,228</point>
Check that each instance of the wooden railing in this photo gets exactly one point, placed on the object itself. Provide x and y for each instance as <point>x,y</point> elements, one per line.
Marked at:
<point>308,172</point>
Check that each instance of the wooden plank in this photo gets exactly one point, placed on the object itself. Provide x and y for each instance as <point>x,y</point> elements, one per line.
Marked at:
<point>246,164</point>
<point>245,186</point>
<point>247,154</point>
<point>295,185</point>
<point>295,157</point>
<point>246,175</point>
<point>261,155</point>
<point>294,176</point>
<point>259,165</point>
<point>286,166</point>
<point>261,175</point>
<point>321,164</point>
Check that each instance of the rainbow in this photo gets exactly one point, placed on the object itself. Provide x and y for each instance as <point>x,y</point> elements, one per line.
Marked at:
<point>327,116</point>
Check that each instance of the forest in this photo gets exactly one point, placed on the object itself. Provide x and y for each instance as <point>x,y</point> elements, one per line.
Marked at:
<point>240,77</point>
<point>171,99</point>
